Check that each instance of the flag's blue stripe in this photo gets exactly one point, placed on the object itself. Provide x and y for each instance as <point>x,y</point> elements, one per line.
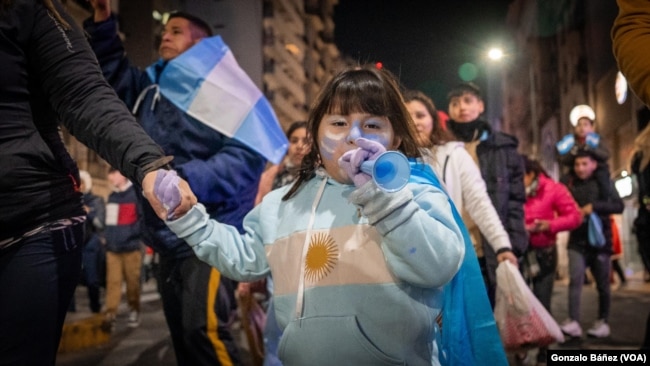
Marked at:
<point>179,78</point>
<point>261,120</point>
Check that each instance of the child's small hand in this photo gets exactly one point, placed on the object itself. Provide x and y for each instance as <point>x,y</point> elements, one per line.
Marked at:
<point>167,191</point>
<point>351,161</point>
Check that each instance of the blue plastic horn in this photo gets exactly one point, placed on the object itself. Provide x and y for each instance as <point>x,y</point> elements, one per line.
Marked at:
<point>390,171</point>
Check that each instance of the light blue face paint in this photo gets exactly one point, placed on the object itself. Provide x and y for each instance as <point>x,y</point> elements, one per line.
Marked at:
<point>378,138</point>
<point>328,146</point>
<point>356,131</point>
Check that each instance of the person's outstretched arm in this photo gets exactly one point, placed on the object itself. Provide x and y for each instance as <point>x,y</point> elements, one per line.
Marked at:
<point>102,28</point>
<point>70,78</point>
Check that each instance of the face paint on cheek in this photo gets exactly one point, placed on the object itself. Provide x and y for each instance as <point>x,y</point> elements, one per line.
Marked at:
<point>328,145</point>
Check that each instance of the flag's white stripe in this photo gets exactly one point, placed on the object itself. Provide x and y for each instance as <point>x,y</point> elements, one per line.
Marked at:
<point>179,80</point>
<point>224,99</point>
<point>357,258</point>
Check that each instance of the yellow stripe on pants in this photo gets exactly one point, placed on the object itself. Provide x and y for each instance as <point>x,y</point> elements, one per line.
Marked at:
<point>213,322</point>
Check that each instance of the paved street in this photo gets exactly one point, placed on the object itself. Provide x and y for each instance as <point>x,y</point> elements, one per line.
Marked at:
<point>629,310</point>
<point>150,344</point>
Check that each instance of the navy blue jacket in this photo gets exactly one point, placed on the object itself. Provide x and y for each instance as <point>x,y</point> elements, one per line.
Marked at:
<point>222,172</point>
<point>122,230</point>
<point>502,169</point>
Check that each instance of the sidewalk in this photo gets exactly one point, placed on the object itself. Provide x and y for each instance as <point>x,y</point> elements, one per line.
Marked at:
<point>629,310</point>
<point>630,306</point>
<point>124,346</point>
<point>150,344</point>
<point>147,345</point>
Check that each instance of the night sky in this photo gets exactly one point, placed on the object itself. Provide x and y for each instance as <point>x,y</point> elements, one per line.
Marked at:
<point>424,42</point>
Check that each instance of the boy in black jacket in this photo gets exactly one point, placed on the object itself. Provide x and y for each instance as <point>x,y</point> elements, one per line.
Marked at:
<point>583,185</point>
<point>123,249</point>
<point>502,169</point>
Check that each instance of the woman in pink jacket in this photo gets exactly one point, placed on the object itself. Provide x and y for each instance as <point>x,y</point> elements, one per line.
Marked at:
<point>549,209</point>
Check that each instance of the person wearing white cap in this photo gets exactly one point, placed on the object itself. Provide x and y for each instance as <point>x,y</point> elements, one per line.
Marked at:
<point>583,118</point>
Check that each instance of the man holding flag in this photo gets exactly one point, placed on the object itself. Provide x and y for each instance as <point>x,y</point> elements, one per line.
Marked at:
<point>202,108</point>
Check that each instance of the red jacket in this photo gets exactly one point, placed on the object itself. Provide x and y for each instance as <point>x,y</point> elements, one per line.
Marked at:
<point>553,202</point>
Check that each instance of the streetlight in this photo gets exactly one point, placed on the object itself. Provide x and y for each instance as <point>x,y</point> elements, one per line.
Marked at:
<point>494,97</point>
<point>495,54</point>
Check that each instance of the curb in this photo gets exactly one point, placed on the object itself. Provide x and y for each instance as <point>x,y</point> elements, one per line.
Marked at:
<point>83,333</point>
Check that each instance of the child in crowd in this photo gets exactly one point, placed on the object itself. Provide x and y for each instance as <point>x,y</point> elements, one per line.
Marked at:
<point>123,249</point>
<point>357,271</point>
<point>502,170</point>
<point>582,119</point>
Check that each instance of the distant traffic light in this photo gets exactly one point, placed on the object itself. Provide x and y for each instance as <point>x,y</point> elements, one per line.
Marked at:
<point>379,65</point>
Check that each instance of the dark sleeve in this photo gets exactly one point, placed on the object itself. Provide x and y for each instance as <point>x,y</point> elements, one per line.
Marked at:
<point>613,205</point>
<point>566,159</point>
<point>126,79</point>
<point>601,152</point>
<point>83,100</point>
<point>235,168</point>
<point>515,225</point>
<point>602,177</point>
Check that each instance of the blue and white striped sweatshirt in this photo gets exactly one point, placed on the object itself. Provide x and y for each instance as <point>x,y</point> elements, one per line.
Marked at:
<point>357,272</point>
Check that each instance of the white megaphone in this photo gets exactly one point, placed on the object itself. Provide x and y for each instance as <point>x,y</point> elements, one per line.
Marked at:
<point>390,171</point>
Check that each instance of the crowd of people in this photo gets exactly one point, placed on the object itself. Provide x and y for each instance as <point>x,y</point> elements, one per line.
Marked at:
<point>339,255</point>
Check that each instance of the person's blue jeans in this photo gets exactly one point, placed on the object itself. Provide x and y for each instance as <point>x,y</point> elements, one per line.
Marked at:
<point>37,280</point>
<point>600,265</point>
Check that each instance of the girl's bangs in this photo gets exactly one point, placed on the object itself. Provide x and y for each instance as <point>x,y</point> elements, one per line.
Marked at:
<point>355,96</point>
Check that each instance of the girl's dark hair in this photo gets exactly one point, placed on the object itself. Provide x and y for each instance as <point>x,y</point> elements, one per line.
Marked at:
<point>294,126</point>
<point>367,90</point>
<point>198,23</point>
<point>438,134</point>
<point>532,165</point>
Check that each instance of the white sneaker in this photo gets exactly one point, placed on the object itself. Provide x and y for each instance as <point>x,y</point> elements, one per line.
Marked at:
<point>600,329</point>
<point>571,328</point>
<point>134,319</point>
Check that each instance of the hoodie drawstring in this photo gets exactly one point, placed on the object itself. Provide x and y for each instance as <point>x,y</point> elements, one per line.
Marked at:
<point>143,94</point>
<point>300,296</point>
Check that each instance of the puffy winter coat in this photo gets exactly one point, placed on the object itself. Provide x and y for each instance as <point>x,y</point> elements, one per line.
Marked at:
<point>551,201</point>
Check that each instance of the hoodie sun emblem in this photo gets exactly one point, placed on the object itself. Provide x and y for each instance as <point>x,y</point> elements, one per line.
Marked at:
<point>322,255</point>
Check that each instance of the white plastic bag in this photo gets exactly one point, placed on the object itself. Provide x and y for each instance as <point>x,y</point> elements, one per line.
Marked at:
<point>522,320</point>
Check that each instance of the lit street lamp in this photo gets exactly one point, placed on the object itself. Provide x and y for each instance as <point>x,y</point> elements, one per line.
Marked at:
<point>495,54</point>
<point>494,92</point>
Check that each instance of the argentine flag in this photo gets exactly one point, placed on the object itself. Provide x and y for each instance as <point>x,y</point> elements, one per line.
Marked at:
<point>207,83</point>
